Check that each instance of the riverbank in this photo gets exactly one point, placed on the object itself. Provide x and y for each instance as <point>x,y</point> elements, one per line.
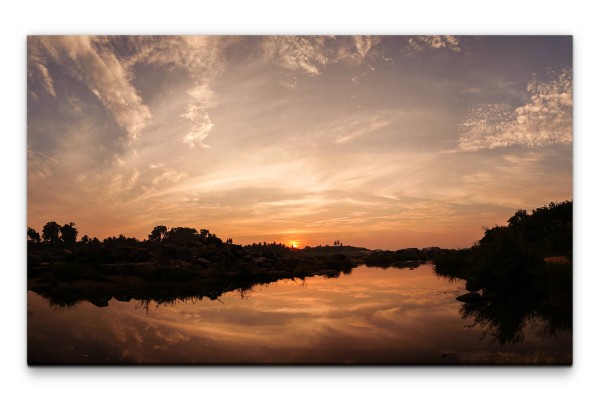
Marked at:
<point>68,283</point>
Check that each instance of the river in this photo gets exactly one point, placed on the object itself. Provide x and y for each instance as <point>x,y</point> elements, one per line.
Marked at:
<point>371,316</point>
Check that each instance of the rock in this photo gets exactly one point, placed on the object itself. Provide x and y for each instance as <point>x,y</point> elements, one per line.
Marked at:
<point>470,297</point>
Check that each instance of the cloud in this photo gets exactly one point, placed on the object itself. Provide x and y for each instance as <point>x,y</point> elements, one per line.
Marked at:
<point>91,61</point>
<point>106,66</point>
<point>306,55</point>
<point>167,174</point>
<point>363,45</point>
<point>310,55</point>
<point>41,165</point>
<point>201,57</point>
<point>420,43</point>
<point>201,98</point>
<point>352,128</point>
<point>36,65</point>
<point>547,119</point>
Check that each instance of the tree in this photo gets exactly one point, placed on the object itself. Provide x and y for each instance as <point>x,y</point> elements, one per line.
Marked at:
<point>51,232</point>
<point>158,233</point>
<point>519,217</point>
<point>181,235</point>
<point>68,233</point>
<point>33,235</point>
<point>85,239</point>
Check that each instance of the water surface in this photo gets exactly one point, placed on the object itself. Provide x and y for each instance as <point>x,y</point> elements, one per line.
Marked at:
<point>372,316</point>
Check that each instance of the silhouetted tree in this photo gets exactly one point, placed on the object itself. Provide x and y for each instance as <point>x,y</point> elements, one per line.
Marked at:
<point>229,241</point>
<point>51,232</point>
<point>181,235</point>
<point>68,233</point>
<point>519,218</point>
<point>33,235</point>
<point>85,239</point>
<point>510,259</point>
<point>158,233</point>
<point>120,240</point>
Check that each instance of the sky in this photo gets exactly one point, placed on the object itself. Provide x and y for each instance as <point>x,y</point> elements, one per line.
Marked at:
<point>384,142</point>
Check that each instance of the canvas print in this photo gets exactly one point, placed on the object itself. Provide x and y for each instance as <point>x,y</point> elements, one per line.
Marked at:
<point>362,200</point>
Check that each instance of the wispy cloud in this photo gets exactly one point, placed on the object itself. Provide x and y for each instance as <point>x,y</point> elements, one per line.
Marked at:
<point>44,76</point>
<point>106,65</point>
<point>547,119</point>
<point>363,45</point>
<point>355,127</point>
<point>90,61</point>
<point>201,98</point>
<point>201,57</point>
<point>449,42</point>
<point>310,55</point>
<point>306,55</point>
<point>169,175</point>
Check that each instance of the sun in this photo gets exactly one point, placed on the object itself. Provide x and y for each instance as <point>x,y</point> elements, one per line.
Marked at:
<point>294,245</point>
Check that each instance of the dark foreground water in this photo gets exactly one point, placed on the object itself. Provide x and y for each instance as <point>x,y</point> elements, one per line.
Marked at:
<point>373,315</point>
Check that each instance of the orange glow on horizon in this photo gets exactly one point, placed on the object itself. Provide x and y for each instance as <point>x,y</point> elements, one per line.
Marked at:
<point>301,141</point>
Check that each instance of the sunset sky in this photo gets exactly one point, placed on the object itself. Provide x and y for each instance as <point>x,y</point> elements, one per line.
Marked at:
<point>384,142</point>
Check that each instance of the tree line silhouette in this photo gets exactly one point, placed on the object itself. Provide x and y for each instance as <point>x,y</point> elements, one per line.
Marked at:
<point>55,234</point>
<point>518,274</point>
<point>514,274</point>
<point>171,263</point>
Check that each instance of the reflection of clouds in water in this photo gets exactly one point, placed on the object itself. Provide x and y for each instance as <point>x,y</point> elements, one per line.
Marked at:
<point>169,339</point>
<point>124,332</point>
<point>359,311</point>
<point>384,316</point>
<point>309,312</point>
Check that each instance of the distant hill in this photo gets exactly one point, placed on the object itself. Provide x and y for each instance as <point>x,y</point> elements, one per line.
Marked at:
<point>331,250</point>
